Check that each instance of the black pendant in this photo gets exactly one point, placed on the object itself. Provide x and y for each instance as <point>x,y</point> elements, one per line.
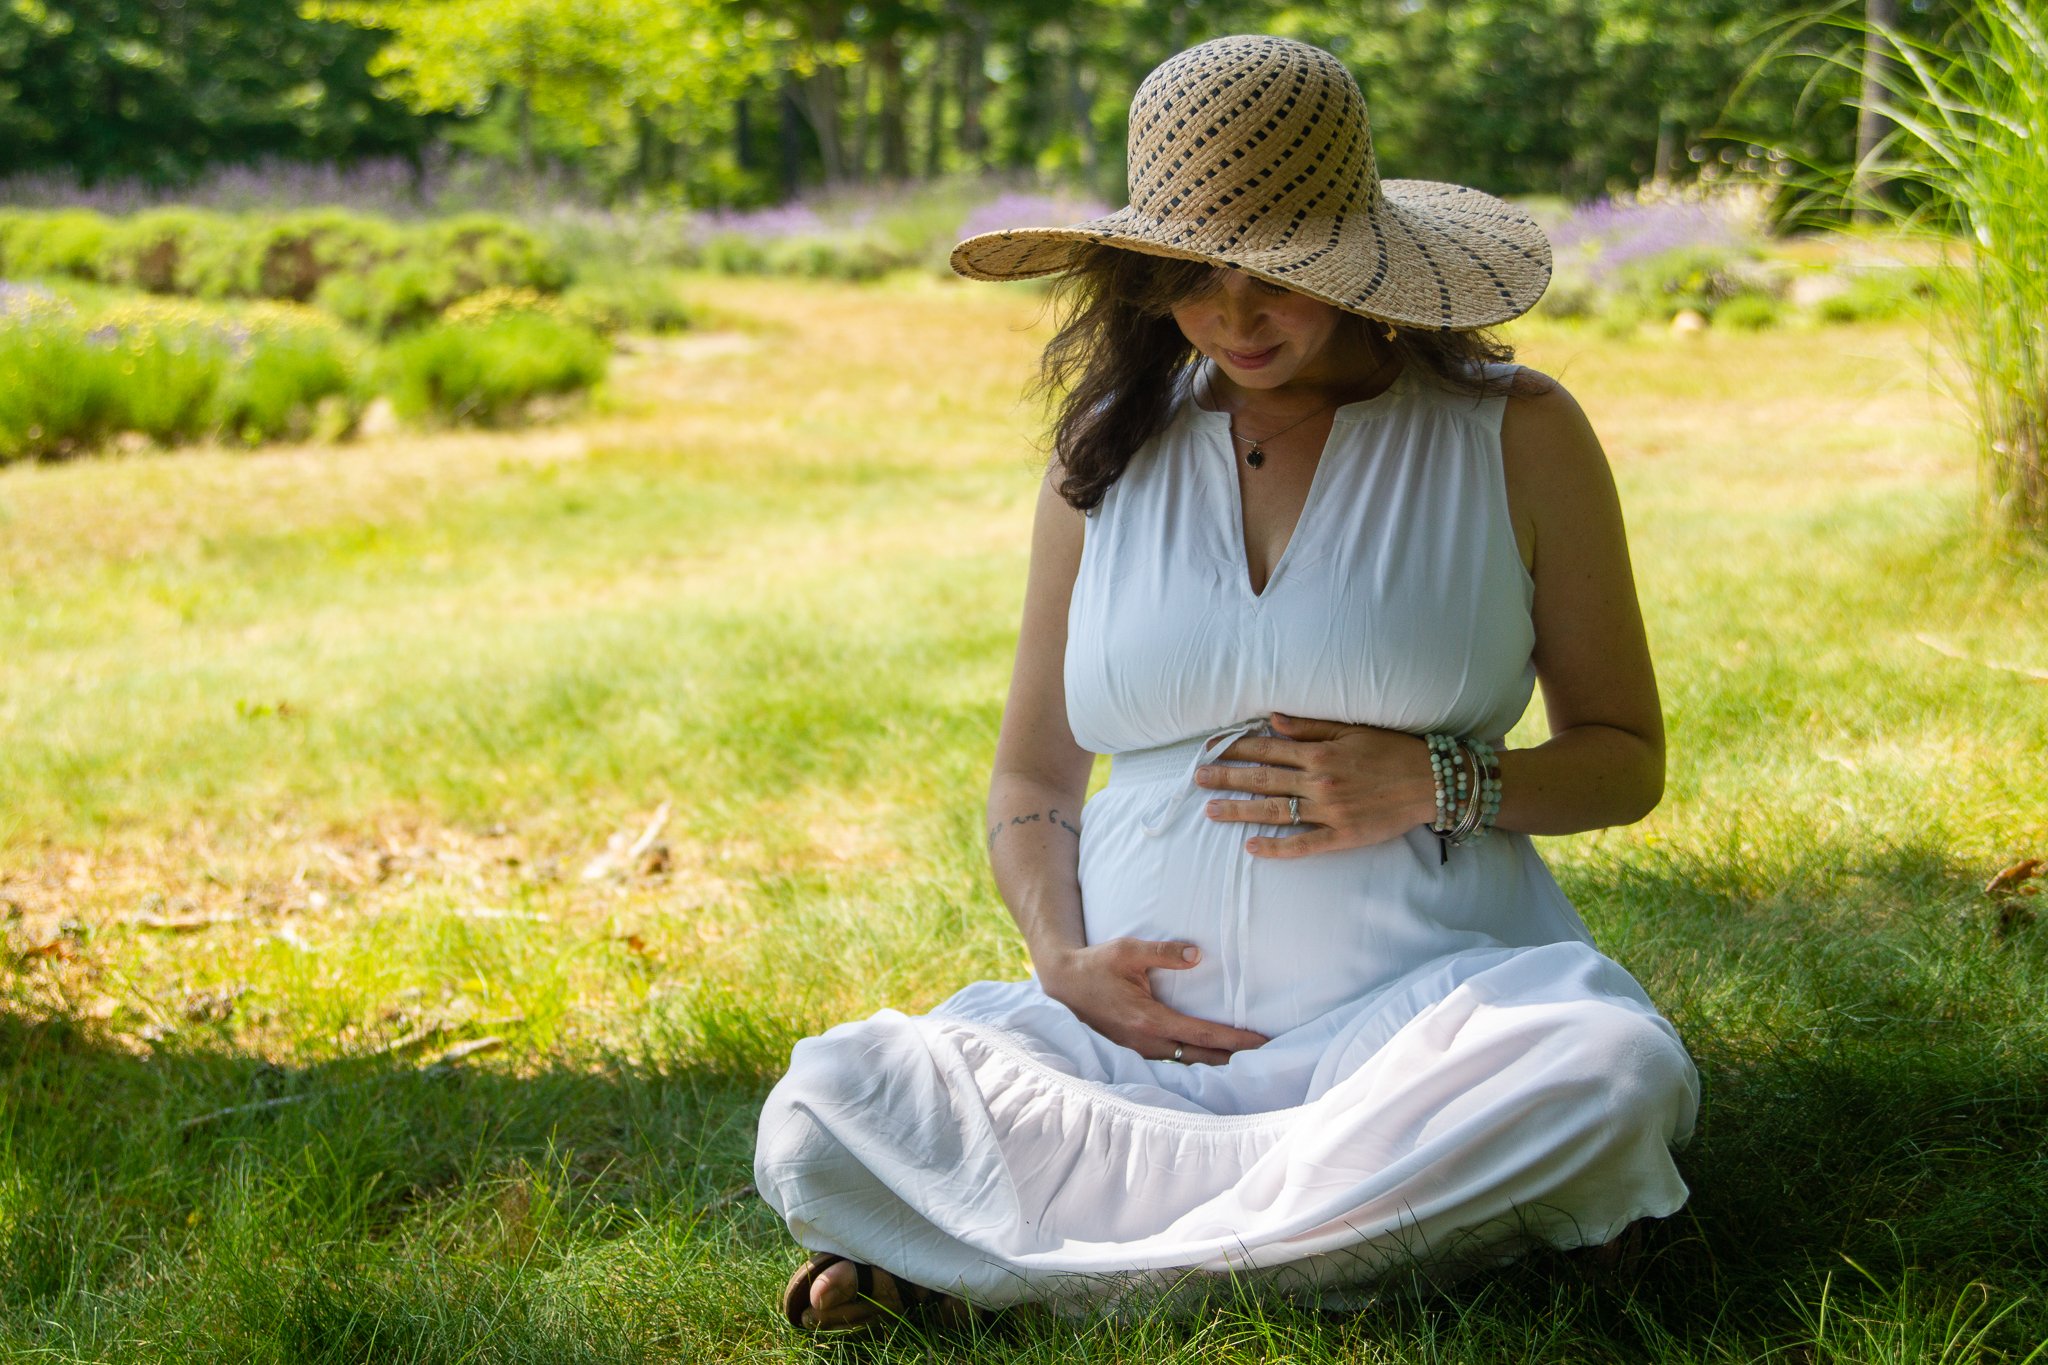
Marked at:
<point>1255,457</point>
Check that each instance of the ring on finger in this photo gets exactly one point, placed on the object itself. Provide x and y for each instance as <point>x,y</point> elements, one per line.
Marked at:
<point>1293,810</point>
<point>1179,1052</point>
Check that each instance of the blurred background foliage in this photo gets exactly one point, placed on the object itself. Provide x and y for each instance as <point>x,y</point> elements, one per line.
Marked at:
<point>711,103</point>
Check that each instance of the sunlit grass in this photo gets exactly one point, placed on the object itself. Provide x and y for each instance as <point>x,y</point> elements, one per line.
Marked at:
<point>307,752</point>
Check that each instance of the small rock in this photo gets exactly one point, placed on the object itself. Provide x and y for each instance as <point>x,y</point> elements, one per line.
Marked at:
<point>379,420</point>
<point>1688,321</point>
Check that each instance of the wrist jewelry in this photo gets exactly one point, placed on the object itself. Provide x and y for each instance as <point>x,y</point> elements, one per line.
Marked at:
<point>1466,775</point>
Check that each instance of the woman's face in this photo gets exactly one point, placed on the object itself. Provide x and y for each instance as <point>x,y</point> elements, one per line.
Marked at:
<point>1263,336</point>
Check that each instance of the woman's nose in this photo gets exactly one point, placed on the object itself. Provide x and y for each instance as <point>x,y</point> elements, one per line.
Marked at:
<point>1239,301</point>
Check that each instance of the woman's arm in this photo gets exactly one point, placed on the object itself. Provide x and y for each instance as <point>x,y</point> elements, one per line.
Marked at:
<point>1034,829</point>
<point>1604,762</point>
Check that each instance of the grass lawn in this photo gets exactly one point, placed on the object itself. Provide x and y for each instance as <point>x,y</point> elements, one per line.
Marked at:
<point>361,1003</point>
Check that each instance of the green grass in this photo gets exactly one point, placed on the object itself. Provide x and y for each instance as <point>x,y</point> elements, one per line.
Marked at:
<point>307,751</point>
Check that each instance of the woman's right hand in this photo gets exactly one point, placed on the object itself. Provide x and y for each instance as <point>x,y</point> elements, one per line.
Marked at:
<point>1106,986</point>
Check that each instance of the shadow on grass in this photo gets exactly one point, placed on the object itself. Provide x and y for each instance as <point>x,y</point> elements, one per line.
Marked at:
<point>201,1203</point>
<point>1876,1107</point>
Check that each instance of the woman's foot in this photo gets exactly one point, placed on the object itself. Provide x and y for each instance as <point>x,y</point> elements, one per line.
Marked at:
<point>832,1294</point>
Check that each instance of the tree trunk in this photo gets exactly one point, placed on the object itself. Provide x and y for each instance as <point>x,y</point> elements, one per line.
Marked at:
<point>890,117</point>
<point>527,156</point>
<point>821,110</point>
<point>972,79</point>
<point>861,137</point>
<point>1080,103</point>
<point>790,136</point>
<point>645,153</point>
<point>1666,160</point>
<point>1872,125</point>
<point>742,134</point>
<point>935,110</point>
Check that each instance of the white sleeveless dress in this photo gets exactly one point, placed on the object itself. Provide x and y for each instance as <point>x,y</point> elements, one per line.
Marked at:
<point>1454,1071</point>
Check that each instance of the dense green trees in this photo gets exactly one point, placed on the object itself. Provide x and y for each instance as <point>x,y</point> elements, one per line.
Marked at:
<point>725,100</point>
<point>161,88</point>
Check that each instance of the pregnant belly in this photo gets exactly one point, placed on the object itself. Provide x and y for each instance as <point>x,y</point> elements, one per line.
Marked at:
<point>1283,941</point>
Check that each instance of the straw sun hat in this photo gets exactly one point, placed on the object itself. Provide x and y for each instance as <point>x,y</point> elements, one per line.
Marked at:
<point>1255,152</point>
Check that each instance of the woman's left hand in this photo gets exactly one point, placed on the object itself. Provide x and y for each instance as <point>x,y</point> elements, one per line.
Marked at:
<point>1354,784</point>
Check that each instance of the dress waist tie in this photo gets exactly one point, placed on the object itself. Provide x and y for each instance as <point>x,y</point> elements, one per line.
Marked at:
<point>1162,763</point>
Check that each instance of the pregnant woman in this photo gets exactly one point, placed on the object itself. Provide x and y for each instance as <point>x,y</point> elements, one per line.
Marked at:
<point>1307,1007</point>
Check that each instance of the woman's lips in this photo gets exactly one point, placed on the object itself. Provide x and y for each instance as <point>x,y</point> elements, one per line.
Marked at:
<point>1250,360</point>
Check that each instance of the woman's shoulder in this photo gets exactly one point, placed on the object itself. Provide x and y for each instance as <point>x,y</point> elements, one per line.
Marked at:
<point>1537,408</point>
<point>1548,448</point>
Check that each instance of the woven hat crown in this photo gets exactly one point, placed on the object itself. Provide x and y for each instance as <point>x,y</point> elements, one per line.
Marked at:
<point>1255,153</point>
<point>1241,142</point>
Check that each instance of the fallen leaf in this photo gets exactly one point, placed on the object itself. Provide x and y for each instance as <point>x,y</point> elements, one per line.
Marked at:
<point>2010,881</point>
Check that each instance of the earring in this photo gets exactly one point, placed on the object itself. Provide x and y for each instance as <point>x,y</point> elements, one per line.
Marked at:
<point>1390,332</point>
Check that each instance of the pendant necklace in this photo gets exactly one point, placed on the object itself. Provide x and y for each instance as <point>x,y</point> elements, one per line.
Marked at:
<point>1256,456</point>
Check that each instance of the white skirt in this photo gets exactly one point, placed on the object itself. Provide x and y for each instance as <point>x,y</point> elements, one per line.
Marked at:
<point>999,1149</point>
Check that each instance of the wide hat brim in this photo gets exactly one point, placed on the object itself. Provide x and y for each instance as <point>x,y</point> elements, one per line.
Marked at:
<point>1426,254</point>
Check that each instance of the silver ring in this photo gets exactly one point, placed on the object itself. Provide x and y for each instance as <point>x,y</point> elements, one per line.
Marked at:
<point>1293,810</point>
<point>1178,1049</point>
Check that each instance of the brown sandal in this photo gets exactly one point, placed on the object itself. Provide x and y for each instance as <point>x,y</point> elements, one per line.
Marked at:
<point>913,1298</point>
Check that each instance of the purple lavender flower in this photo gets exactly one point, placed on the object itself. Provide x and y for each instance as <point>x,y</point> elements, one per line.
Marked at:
<point>793,219</point>
<point>1603,236</point>
<point>1017,209</point>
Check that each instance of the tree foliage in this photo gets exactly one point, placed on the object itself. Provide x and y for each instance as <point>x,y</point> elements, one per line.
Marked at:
<point>160,88</point>
<point>727,99</point>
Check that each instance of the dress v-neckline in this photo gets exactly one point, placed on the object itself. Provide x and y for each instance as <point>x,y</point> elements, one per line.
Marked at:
<point>1345,413</point>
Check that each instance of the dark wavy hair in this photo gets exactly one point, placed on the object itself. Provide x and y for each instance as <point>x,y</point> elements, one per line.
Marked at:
<point>1110,369</point>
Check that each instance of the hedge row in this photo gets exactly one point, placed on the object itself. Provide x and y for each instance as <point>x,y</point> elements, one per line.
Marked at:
<point>174,371</point>
<point>370,272</point>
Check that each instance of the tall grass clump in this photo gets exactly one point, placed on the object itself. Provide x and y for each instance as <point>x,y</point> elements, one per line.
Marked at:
<point>1967,161</point>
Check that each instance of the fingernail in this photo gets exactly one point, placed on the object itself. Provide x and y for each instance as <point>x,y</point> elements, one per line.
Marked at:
<point>1203,776</point>
<point>1191,954</point>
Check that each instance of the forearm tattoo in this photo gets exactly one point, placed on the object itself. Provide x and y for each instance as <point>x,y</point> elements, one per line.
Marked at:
<point>1047,817</point>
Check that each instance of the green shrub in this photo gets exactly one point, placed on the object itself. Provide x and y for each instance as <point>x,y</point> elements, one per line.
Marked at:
<point>169,377</point>
<point>1569,300</point>
<point>389,297</point>
<point>1693,277</point>
<point>59,391</point>
<point>608,306</point>
<point>1748,312</point>
<point>291,256</point>
<point>479,251</point>
<point>730,253</point>
<point>68,242</point>
<point>175,371</point>
<point>278,392</point>
<point>437,265</point>
<point>155,251</point>
<point>485,371</point>
<point>829,257</point>
<point>1877,295</point>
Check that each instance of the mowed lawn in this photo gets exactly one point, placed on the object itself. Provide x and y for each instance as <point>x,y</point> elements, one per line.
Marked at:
<point>417,857</point>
